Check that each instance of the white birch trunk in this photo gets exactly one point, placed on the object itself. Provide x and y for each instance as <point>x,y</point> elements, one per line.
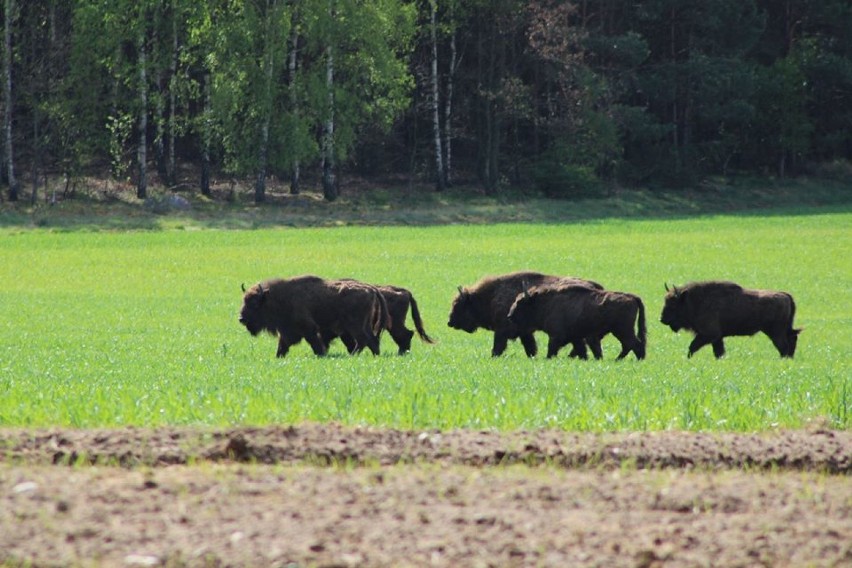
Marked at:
<point>7,99</point>
<point>171,164</point>
<point>448,112</point>
<point>142,150</point>
<point>266,106</point>
<point>436,115</point>
<point>329,186</point>
<point>294,103</point>
<point>206,137</point>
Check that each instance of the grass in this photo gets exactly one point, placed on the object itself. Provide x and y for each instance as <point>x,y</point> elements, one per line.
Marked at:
<point>106,328</point>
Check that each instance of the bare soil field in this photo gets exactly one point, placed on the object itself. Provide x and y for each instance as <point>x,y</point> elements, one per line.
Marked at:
<point>328,495</point>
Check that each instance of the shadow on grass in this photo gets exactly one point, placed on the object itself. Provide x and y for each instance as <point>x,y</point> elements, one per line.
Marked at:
<point>423,207</point>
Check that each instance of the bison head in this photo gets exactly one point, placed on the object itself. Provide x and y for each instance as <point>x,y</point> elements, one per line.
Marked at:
<point>252,315</point>
<point>462,313</point>
<point>673,310</point>
<point>792,342</point>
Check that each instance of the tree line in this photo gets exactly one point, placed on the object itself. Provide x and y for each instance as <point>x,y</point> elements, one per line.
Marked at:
<point>560,95</point>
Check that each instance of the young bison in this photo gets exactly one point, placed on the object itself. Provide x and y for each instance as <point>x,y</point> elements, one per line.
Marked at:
<point>399,300</point>
<point>486,305</point>
<point>570,313</point>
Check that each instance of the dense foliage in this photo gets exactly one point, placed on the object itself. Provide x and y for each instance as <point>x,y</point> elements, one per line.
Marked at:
<point>559,94</point>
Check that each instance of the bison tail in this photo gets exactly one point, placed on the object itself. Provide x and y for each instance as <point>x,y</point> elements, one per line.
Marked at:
<point>643,327</point>
<point>418,322</point>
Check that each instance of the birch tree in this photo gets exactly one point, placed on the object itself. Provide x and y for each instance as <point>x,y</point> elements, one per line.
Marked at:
<point>436,103</point>
<point>292,67</point>
<point>329,187</point>
<point>448,105</point>
<point>249,52</point>
<point>8,100</point>
<point>142,145</point>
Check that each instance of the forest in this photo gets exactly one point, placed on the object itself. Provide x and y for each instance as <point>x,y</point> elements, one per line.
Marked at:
<point>561,96</point>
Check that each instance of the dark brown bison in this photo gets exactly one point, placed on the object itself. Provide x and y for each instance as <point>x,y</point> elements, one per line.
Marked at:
<point>714,310</point>
<point>399,300</point>
<point>569,313</point>
<point>305,307</point>
<point>486,304</point>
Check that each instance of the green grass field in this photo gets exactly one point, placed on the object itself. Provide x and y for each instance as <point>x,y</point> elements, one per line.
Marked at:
<point>101,329</point>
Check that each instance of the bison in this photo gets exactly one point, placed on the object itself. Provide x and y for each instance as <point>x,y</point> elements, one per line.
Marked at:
<point>714,310</point>
<point>569,313</point>
<point>309,306</point>
<point>398,300</point>
<point>486,304</point>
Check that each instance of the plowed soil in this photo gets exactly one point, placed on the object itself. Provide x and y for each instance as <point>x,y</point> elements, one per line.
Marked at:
<point>327,495</point>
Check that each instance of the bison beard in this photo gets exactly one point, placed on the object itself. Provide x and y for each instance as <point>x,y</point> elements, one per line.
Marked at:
<point>486,305</point>
<point>398,301</point>
<point>570,313</point>
<point>716,309</point>
<point>307,306</point>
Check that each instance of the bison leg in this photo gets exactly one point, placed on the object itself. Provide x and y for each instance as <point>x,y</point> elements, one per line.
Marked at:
<point>501,340</point>
<point>595,345</point>
<point>631,344</point>
<point>317,344</point>
<point>402,337</point>
<point>284,343</point>
<point>719,348</point>
<point>373,344</point>
<point>368,339</point>
<point>329,336</point>
<point>350,343</point>
<point>554,345</point>
<point>530,346</point>
<point>578,350</point>
<point>699,342</point>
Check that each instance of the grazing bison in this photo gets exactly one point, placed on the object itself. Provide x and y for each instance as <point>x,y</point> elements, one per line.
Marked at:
<point>570,313</point>
<point>486,304</point>
<point>715,310</point>
<point>398,300</point>
<point>308,306</point>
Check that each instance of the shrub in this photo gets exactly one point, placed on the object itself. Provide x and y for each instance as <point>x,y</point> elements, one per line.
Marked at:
<point>557,178</point>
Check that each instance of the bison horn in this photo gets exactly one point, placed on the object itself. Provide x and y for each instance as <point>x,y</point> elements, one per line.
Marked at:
<point>243,286</point>
<point>461,291</point>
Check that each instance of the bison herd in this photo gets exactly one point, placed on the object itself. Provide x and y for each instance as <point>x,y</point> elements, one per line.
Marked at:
<point>569,310</point>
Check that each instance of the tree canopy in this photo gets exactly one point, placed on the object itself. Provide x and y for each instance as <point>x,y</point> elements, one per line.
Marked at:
<point>559,95</point>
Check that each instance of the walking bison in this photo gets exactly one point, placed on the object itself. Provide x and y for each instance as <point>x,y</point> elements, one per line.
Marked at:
<point>714,310</point>
<point>486,304</point>
<point>569,313</point>
<point>306,307</point>
<point>398,300</point>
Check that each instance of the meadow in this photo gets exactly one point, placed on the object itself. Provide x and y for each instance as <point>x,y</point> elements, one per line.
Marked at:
<point>103,328</point>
